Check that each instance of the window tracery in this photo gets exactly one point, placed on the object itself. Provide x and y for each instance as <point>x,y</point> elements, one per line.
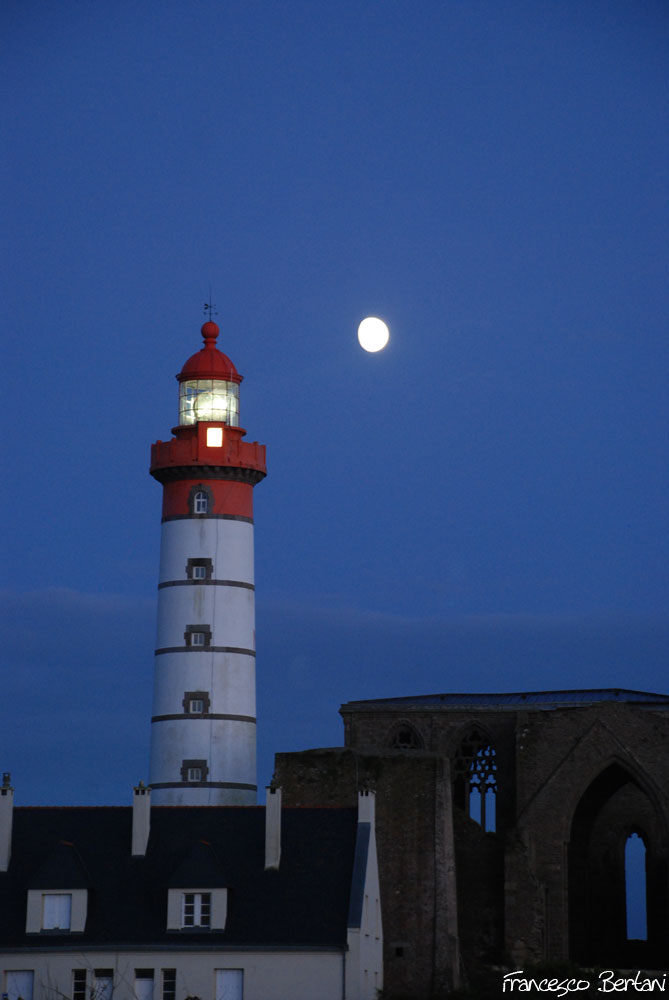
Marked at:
<point>405,737</point>
<point>475,771</point>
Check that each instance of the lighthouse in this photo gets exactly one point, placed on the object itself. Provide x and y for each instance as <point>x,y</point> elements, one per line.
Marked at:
<point>203,726</point>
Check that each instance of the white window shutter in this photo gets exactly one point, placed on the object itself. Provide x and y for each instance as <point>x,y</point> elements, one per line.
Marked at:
<point>57,911</point>
<point>229,984</point>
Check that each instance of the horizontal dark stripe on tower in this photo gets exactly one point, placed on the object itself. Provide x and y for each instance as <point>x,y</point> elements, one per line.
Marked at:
<point>206,583</point>
<point>233,473</point>
<point>203,784</point>
<point>205,517</point>
<point>205,649</point>
<point>203,715</point>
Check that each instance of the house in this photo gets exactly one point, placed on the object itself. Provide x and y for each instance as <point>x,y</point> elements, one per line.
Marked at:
<point>176,902</point>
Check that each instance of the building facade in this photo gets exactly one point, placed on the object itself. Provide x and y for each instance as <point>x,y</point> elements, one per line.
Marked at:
<point>170,903</point>
<point>504,819</point>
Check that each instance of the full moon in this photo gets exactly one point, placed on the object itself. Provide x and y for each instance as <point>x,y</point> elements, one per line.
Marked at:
<point>373,334</point>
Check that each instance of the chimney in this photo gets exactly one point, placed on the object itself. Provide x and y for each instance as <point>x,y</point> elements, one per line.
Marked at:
<point>273,828</point>
<point>366,806</point>
<point>6,815</point>
<point>141,819</point>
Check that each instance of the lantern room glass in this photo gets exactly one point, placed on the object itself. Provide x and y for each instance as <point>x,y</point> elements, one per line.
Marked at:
<point>208,400</point>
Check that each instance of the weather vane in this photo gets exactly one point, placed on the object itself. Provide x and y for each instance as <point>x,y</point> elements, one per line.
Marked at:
<point>210,308</point>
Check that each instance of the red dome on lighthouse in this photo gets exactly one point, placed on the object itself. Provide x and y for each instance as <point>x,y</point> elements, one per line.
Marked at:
<point>209,362</point>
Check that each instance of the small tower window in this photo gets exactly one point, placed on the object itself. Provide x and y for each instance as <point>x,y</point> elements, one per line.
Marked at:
<point>199,569</point>
<point>200,500</point>
<point>194,770</point>
<point>196,702</point>
<point>198,636</point>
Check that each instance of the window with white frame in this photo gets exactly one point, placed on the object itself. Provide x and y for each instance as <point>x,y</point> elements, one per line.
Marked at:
<point>198,636</point>
<point>196,909</point>
<point>56,911</point>
<point>201,503</point>
<point>196,702</point>
<point>169,990</point>
<point>194,770</point>
<point>78,984</point>
<point>199,568</point>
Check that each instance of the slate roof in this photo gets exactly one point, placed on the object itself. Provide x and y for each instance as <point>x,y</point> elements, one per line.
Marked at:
<point>513,699</point>
<point>305,903</point>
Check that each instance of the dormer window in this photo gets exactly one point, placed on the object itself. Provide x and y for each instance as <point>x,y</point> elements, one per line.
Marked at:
<point>196,909</point>
<point>56,911</point>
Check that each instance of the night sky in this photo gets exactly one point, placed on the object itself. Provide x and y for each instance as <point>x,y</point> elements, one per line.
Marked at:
<point>479,507</point>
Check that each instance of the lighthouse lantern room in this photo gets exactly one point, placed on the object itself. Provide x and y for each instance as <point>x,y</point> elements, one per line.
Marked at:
<point>203,727</point>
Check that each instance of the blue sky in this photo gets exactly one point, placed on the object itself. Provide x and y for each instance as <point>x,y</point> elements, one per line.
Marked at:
<point>480,506</point>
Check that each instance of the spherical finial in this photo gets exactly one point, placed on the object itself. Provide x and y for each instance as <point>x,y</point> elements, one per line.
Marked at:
<point>210,332</point>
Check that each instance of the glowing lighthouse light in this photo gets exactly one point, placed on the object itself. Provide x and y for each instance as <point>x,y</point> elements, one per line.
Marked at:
<point>203,725</point>
<point>209,399</point>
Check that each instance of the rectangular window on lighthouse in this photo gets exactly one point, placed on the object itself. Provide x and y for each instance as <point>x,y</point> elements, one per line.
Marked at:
<point>198,635</point>
<point>199,569</point>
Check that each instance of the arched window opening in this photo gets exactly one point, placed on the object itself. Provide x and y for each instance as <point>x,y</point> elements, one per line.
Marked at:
<point>476,780</point>
<point>635,888</point>
<point>405,737</point>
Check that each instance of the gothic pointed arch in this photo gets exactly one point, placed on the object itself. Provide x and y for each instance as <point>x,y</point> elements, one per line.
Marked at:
<point>404,735</point>
<point>614,805</point>
<point>475,776</point>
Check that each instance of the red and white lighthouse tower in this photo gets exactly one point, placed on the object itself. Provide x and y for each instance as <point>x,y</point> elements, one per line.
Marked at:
<point>203,728</point>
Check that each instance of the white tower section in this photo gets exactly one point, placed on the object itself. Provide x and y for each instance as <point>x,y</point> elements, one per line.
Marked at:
<point>203,732</point>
